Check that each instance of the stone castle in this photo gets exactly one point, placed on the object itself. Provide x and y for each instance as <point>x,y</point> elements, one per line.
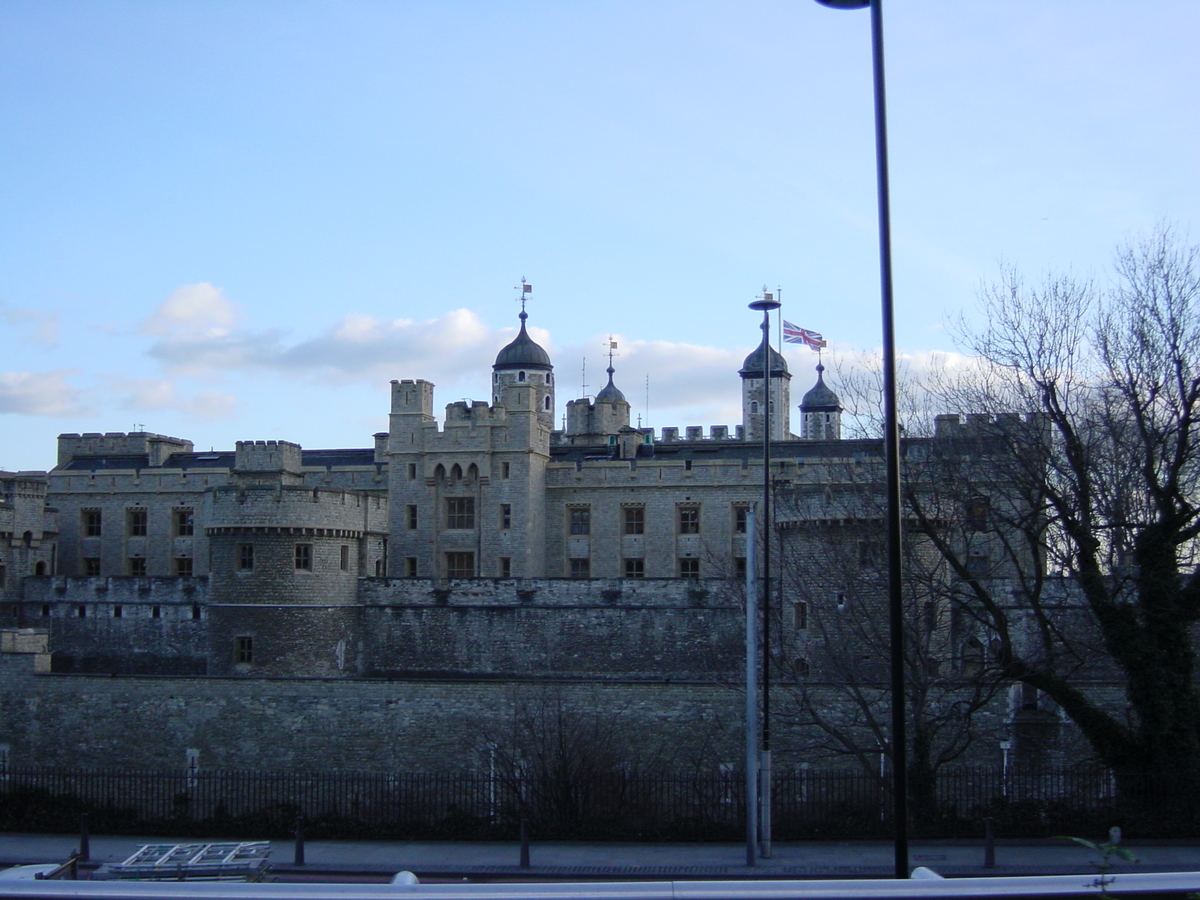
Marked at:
<point>428,574</point>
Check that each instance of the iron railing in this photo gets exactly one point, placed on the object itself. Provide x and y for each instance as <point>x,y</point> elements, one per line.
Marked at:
<point>609,805</point>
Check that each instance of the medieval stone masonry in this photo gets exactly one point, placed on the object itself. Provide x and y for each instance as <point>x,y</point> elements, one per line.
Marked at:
<point>380,608</point>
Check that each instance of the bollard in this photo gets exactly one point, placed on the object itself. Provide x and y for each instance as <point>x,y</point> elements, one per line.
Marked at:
<point>524,843</point>
<point>989,843</point>
<point>299,840</point>
<point>85,852</point>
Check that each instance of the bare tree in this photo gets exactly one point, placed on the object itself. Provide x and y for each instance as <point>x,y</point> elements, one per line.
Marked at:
<point>1099,486</point>
<point>835,626</point>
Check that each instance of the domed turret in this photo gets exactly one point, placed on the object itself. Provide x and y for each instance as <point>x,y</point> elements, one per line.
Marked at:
<point>523,352</point>
<point>610,393</point>
<point>523,378</point>
<point>820,412</point>
<point>753,366</point>
<point>755,392</point>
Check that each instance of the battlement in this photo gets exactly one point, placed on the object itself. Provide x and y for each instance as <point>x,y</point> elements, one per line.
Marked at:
<point>157,447</point>
<point>413,397</point>
<point>951,425</point>
<point>268,456</point>
<point>474,412</point>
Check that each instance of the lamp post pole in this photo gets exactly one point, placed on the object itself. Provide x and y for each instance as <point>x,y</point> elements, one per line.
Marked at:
<point>891,442</point>
<point>766,303</point>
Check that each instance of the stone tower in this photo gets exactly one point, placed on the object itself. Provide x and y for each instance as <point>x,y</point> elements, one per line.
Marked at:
<point>753,394</point>
<point>820,412</point>
<point>523,378</point>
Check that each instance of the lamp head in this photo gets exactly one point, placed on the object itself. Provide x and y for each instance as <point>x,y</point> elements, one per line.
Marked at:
<point>845,4</point>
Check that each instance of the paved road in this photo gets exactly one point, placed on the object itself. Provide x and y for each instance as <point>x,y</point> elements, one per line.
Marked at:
<point>496,860</point>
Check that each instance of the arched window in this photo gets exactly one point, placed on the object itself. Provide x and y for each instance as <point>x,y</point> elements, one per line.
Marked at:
<point>972,657</point>
<point>547,403</point>
<point>520,376</point>
<point>39,569</point>
<point>754,407</point>
<point>456,474</point>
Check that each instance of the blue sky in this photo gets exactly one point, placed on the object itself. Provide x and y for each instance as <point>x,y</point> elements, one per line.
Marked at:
<point>240,220</point>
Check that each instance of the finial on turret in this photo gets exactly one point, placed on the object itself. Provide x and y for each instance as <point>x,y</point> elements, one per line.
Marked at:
<point>526,289</point>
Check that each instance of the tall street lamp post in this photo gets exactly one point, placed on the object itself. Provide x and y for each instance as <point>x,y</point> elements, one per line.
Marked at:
<point>766,303</point>
<point>891,443</point>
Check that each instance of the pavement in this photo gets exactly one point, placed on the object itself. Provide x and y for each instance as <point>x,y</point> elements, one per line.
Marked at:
<point>568,861</point>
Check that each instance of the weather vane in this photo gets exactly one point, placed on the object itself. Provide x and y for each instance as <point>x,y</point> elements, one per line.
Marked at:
<point>525,289</point>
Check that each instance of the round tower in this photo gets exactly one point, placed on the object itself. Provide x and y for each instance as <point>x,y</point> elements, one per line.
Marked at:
<point>523,378</point>
<point>820,412</point>
<point>753,394</point>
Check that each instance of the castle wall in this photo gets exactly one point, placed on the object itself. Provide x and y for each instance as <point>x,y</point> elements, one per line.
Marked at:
<point>152,626</point>
<point>327,724</point>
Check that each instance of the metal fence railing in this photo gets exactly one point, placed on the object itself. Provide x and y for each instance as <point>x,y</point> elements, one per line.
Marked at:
<point>608,805</point>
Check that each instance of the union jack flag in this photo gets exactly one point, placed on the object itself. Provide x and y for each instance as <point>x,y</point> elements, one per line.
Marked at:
<point>794,335</point>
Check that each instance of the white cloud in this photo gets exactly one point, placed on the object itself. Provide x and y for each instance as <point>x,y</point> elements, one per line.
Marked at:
<point>45,324</point>
<point>39,394</point>
<point>357,348</point>
<point>149,394</point>
<point>198,310</point>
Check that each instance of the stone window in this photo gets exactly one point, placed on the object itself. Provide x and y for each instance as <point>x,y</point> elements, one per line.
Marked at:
<point>304,555</point>
<point>506,567</point>
<point>410,567</point>
<point>91,523</point>
<point>689,520</point>
<point>801,615</point>
<point>800,667</point>
<point>156,612</point>
<point>344,558</point>
<point>635,567</point>
<point>740,511</point>
<point>978,512</point>
<point>185,523</point>
<point>505,516</point>
<point>689,567</point>
<point>460,565</point>
<point>504,470</point>
<point>412,517</point>
<point>81,611</point>
<point>137,566</point>
<point>581,568</point>
<point>978,565</point>
<point>412,471</point>
<point>46,610</point>
<point>245,557</point>
<point>868,554</point>
<point>581,520</point>
<point>91,566</point>
<point>118,611</point>
<point>183,566</point>
<point>739,567</point>
<point>635,519</point>
<point>138,522</point>
<point>195,613</point>
<point>243,649</point>
<point>460,512</point>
